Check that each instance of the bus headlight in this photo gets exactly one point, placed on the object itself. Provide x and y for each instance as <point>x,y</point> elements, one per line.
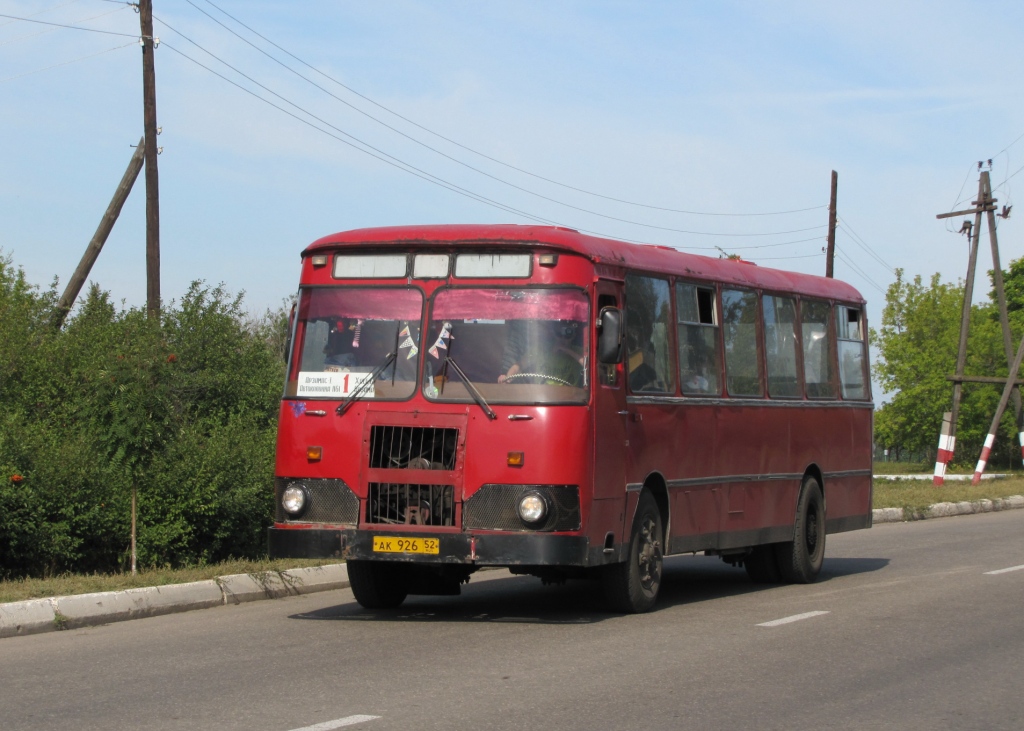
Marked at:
<point>533,508</point>
<point>294,499</point>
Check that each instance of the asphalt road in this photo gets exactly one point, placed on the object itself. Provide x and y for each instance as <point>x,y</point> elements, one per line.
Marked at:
<point>910,632</point>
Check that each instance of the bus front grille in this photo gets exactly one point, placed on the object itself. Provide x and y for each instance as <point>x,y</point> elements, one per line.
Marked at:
<point>404,504</point>
<point>413,447</point>
<point>329,501</point>
<point>495,507</point>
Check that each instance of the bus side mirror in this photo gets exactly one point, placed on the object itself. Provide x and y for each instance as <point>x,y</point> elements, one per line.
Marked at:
<point>609,335</point>
<point>289,333</point>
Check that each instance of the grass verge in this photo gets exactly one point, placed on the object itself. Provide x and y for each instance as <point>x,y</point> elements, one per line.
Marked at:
<point>21,589</point>
<point>919,494</point>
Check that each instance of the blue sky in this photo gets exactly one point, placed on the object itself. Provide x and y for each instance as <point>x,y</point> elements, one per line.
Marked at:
<point>727,107</point>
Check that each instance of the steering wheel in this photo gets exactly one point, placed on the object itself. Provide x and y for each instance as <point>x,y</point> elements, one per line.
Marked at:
<point>538,375</point>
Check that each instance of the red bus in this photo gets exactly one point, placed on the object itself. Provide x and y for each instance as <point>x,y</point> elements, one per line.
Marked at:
<point>564,406</point>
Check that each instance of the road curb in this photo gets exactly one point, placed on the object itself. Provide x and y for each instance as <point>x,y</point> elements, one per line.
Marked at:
<point>34,616</point>
<point>946,510</point>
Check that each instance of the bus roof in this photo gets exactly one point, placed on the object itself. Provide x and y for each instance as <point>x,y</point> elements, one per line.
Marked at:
<point>647,257</point>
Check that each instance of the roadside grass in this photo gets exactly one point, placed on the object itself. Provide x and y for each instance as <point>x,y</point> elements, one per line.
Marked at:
<point>20,589</point>
<point>919,494</point>
<point>921,468</point>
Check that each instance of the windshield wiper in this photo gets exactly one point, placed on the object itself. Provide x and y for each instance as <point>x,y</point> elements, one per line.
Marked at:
<point>366,384</point>
<point>477,396</point>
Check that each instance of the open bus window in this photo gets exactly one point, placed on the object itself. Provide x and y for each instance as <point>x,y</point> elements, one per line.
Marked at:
<point>780,346</point>
<point>344,334</point>
<point>699,363</point>
<point>739,324</point>
<point>648,350</point>
<point>852,358</point>
<point>816,332</point>
<point>515,346</point>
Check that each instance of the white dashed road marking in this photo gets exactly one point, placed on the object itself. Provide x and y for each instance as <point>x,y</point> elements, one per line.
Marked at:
<point>337,723</point>
<point>1005,571</point>
<point>794,618</point>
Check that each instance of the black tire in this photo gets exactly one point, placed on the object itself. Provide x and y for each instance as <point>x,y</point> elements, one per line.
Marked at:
<point>632,587</point>
<point>378,585</point>
<point>762,565</point>
<point>800,561</point>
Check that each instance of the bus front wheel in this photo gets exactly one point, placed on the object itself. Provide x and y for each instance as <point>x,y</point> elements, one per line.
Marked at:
<point>800,561</point>
<point>378,585</point>
<point>632,586</point>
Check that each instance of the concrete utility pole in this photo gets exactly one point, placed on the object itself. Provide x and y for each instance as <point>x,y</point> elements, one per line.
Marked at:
<point>67,300</point>
<point>830,256</point>
<point>152,181</point>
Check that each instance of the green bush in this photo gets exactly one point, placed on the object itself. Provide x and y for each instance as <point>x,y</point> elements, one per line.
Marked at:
<point>183,409</point>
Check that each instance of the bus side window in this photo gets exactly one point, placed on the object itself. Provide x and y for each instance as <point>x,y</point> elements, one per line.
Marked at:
<point>607,373</point>
<point>780,346</point>
<point>739,325</point>
<point>851,352</point>
<point>648,348</point>
<point>817,338</point>
<point>697,334</point>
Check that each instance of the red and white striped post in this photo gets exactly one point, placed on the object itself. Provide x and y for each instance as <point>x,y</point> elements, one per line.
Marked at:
<point>983,459</point>
<point>1011,381</point>
<point>945,453</point>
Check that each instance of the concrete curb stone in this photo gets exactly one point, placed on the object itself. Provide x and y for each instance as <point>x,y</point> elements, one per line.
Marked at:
<point>34,616</point>
<point>946,510</point>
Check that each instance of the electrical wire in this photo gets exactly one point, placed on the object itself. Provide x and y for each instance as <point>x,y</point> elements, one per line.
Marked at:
<point>51,30</point>
<point>778,258</point>
<point>65,63</point>
<point>458,144</point>
<point>43,12</point>
<point>855,237</point>
<point>424,172</point>
<point>858,270</point>
<point>75,27</point>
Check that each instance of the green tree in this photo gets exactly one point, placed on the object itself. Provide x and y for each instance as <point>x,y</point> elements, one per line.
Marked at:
<point>916,349</point>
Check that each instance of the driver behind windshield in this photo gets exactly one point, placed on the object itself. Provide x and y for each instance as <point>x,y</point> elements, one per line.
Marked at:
<point>552,356</point>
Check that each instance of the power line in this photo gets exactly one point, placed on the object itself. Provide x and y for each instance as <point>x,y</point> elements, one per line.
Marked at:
<point>424,172</point>
<point>855,237</point>
<point>65,63</point>
<point>799,256</point>
<point>454,159</point>
<point>43,12</point>
<point>51,30</point>
<point>73,27</point>
<point>465,147</point>
<point>859,271</point>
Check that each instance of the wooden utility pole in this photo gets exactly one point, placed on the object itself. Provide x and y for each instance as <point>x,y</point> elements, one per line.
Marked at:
<point>984,204</point>
<point>67,300</point>
<point>152,181</point>
<point>830,256</point>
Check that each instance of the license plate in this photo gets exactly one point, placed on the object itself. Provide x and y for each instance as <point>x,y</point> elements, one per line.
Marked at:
<point>398,544</point>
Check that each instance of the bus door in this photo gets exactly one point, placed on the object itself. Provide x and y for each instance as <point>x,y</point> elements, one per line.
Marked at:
<point>610,438</point>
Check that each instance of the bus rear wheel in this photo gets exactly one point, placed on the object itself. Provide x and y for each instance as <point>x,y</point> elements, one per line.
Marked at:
<point>800,560</point>
<point>632,587</point>
<point>378,585</point>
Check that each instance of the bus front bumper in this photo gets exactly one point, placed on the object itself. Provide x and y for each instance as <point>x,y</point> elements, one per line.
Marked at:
<point>489,549</point>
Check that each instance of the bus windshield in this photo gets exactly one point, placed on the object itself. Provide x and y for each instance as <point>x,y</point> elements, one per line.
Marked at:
<point>345,334</point>
<point>522,346</point>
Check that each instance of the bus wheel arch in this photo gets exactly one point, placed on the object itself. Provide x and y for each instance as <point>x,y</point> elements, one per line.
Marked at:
<point>632,586</point>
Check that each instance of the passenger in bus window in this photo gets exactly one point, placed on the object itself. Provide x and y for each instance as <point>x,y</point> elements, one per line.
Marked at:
<point>338,350</point>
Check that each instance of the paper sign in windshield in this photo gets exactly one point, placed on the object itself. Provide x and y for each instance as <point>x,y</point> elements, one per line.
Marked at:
<point>333,384</point>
